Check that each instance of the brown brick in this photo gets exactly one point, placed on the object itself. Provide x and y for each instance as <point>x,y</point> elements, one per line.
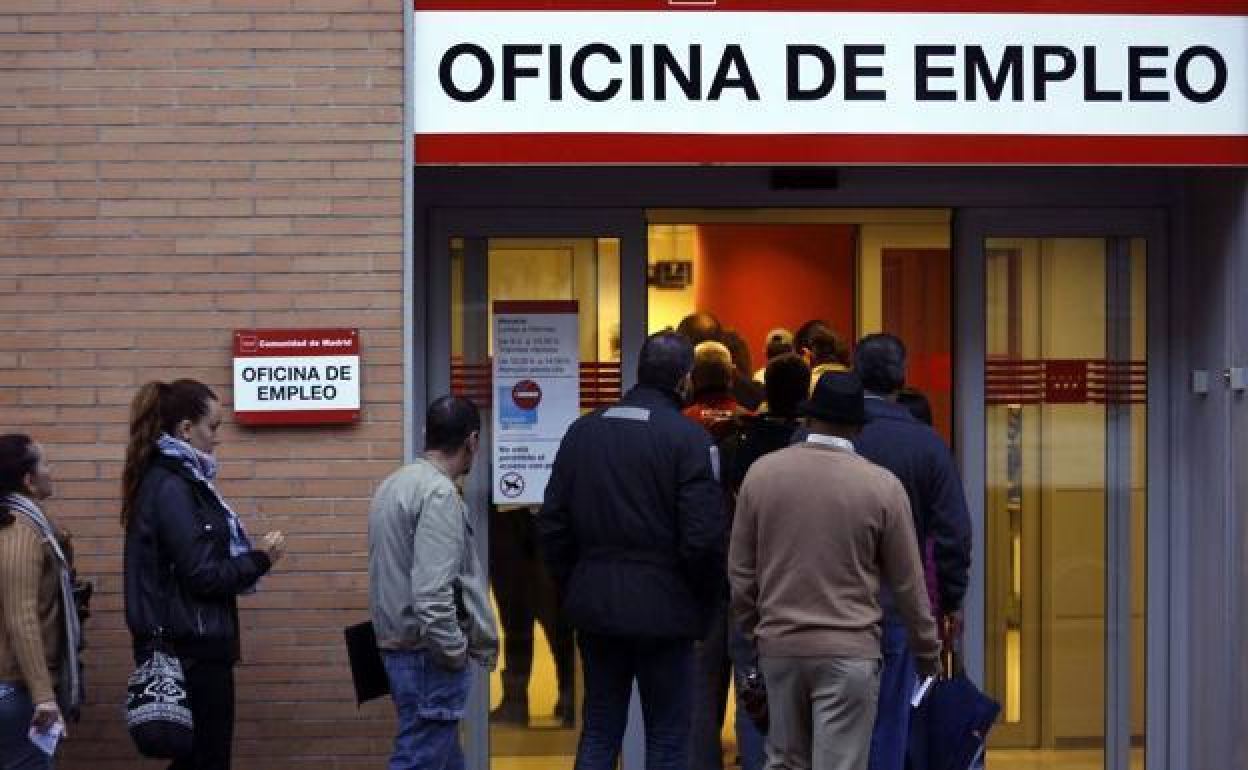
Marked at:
<point>140,255</point>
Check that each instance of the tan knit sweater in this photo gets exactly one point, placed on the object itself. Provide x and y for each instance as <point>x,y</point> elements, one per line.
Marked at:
<point>30,610</point>
<point>816,529</point>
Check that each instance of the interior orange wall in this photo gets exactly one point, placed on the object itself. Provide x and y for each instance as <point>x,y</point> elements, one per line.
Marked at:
<point>757,277</point>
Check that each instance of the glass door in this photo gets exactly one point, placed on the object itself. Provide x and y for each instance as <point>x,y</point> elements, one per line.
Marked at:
<point>1065,504</point>
<point>528,267</point>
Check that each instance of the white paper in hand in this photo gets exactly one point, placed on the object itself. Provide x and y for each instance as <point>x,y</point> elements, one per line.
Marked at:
<point>920,691</point>
<point>46,741</point>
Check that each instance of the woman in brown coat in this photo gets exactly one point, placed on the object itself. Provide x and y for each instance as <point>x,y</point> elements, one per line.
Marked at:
<point>38,647</point>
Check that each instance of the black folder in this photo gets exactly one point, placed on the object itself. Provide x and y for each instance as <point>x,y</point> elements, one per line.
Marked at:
<point>368,673</point>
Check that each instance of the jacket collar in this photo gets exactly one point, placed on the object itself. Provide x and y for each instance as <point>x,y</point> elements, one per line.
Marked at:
<point>648,395</point>
<point>880,409</point>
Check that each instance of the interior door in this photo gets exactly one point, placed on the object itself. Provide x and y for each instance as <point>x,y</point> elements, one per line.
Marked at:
<point>527,713</point>
<point>1064,390</point>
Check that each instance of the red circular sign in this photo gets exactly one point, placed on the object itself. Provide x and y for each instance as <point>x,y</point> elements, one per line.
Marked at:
<point>526,394</point>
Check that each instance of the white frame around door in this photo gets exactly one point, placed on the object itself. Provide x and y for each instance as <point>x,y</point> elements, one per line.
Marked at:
<point>629,226</point>
<point>971,228</point>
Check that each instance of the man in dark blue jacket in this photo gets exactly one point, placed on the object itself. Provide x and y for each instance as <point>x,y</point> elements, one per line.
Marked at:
<point>633,533</point>
<point>917,455</point>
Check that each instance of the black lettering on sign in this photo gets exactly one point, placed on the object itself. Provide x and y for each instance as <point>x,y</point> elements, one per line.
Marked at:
<point>446,74</point>
<point>556,73</point>
<point>1042,74</point>
<point>733,60</point>
<point>1091,93</point>
<point>578,72</point>
<point>793,55</point>
<point>854,71</point>
<point>1009,69</point>
<point>637,72</point>
<point>512,71</point>
<point>924,70</point>
<point>666,66</point>
<point>1137,72</point>
<point>1183,77</point>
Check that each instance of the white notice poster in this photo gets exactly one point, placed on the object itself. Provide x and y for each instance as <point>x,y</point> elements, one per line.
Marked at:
<point>536,394</point>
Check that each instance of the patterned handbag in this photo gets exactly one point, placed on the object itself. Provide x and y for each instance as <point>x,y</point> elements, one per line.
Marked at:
<point>158,708</point>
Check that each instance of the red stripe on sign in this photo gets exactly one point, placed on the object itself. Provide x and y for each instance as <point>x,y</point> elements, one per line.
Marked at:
<point>535,306</point>
<point>265,343</point>
<point>302,417</point>
<point>1117,7</point>
<point>942,149</point>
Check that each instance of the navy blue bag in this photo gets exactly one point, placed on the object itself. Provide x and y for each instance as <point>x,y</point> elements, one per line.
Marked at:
<point>949,728</point>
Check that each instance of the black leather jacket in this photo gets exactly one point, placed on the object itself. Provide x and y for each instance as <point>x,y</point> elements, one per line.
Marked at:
<point>179,575</point>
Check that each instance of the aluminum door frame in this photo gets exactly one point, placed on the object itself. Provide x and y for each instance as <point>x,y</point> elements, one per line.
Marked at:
<point>434,264</point>
<point>1165,600</point>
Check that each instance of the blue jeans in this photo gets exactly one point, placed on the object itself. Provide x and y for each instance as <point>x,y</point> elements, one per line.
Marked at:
<point>898,677</point>
<point>430,700</point>
<point>663,670</point>
<point>16,750</point>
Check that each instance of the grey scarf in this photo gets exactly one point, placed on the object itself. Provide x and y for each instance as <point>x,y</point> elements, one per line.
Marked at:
<point>69,685</point>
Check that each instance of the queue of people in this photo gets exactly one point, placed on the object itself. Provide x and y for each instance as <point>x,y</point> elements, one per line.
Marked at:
<point>706,527</point>
<point>813,532</point>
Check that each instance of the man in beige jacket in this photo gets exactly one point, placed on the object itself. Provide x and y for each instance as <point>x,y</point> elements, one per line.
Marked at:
<point>428,593</point>
<point>816,529</point>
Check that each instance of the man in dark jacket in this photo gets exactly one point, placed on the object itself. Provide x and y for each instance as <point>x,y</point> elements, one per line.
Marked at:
<point>916,454</point>
<point>633,533</point>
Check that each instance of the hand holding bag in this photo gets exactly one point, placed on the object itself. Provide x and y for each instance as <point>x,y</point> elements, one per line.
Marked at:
<point>158,707</point>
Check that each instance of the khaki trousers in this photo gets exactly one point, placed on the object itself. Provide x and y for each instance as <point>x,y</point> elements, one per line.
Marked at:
<point>822,711</point>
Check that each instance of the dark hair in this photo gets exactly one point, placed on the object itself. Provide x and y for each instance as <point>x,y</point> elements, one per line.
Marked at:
<point>157,408</point>
<point>914,400</point>
<point>825,347</point>
<point>449,421</point>
<point>666,357</point>
<point>739,350</point>
<point>18,459</point>
<point>700,327</point>
<point>786,383</point>
<point>880,362</point>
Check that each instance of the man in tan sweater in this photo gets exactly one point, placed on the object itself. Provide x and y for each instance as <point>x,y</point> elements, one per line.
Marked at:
<point>816,529</point>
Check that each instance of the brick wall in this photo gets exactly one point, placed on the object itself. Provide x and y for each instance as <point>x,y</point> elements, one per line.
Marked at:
<point>171,170</point>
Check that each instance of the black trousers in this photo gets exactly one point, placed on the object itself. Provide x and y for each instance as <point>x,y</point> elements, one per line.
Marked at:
<point>211,687</point>
<point>526,594</point>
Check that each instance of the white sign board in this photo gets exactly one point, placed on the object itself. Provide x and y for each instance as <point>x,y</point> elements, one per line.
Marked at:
<point>296,376</point>
<point>576,85</point>
<point>536,394</point>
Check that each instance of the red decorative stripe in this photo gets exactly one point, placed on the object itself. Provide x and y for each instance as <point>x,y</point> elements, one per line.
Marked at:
<point>1065,381</point>
<point>535,306</point>
<point>954,149</point>
<point>308,417</point>
<point>1116,7</point>
<point>600,382</point>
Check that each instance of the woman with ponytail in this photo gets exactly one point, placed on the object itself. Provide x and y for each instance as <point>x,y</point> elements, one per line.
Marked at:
<point>187,555</point>
<point>39,628</point>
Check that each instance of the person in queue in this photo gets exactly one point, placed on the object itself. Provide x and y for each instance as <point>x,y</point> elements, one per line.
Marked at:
<point>894,439</point>
<point>187,555</point>
<point>632,530</point>
<point>818,530</point>
<point>428,593</point>
<point>40,634</point>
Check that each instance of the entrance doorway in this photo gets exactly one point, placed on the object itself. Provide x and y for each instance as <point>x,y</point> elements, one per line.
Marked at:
<point>859,270</point>
<point>1050,403</point>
